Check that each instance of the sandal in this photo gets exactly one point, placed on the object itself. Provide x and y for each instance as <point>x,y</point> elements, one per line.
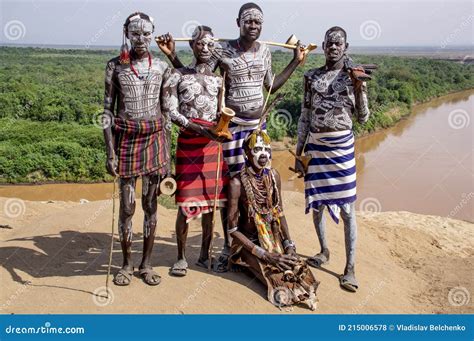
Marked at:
<point>123,277</point>
<point>349,283</point>
<point>317,260</point>
<point>179,269</point>
<point>150,276</point>
<point>222,264</point>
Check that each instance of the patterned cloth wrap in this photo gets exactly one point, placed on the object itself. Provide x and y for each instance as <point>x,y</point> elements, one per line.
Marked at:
<point>233,150</point>
<point>331,176</point>
<point>141,147</point>
<point>196,166</point>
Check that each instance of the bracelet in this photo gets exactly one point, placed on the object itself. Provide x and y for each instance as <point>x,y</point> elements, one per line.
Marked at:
<point>288,243</point>
<point>258,251</point>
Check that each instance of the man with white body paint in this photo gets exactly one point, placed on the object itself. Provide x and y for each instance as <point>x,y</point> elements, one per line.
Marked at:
<point>247,65</point>
<point>136,139</point>
<point>332,97</point>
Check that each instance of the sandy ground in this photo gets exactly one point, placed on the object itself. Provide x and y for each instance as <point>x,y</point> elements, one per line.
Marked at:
<point>54,260</point>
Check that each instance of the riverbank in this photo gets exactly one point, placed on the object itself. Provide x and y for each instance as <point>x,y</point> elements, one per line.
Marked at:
<point>66,153</point>
<point>55,261</point>
<point>395,114</point>
<point>390,117</point>
<point>50,126</point>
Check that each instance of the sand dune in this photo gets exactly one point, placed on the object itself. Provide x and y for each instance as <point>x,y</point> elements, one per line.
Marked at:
<point>54,260</point>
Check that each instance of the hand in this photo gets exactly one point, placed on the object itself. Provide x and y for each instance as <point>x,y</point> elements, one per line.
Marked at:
<point>209,133</point>
<point>205,131</point>
<point>357,83</point>
<point>111,166</point>
<point>299,53</point>
<point>166,44</point>
<point>299,167</point>
<point>284,262</point>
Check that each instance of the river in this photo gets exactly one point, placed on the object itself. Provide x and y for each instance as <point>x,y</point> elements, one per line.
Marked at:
<point>424,164</point>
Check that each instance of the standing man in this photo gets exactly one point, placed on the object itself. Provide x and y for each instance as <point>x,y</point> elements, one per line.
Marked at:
<point>331,98</point>
<point>136,141</point>
<point>247,65</point>
<point>192,94</point>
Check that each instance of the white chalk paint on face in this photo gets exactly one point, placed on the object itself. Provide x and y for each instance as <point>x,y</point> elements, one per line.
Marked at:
<point>140,33</point>
<point>251,14</point>
<point>260,149</point>
<point>206,46</point>
<point>336,36</point>
<point>207,40</point>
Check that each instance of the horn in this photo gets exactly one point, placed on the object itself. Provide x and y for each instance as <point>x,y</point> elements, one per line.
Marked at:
<point>222,128</point>
<point>292,40</point>
<point>168,186</point>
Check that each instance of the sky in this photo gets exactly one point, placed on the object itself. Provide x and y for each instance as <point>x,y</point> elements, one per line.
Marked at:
<point>88,23</point>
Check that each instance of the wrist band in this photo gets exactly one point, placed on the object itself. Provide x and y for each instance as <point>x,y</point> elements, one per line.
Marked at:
<point>288,243</point>
<point>258,251</point>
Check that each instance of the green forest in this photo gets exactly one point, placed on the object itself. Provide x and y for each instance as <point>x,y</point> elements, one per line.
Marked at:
<point>51,102</point>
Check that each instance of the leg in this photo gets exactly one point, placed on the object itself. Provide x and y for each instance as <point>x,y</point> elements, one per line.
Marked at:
<point>320,224</point>
<point>348,280</point>
<point>127,209</point>
<point>223,212</point>
<point>222,262</point>
<point>150,207</point>
<point>254,265</point>
<point>180,267</point>
<point>203,260</point>
<point>181,233</point>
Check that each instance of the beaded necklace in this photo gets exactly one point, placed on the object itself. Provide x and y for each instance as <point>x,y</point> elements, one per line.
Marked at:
<point>260,191</point>
<point>135,71</point>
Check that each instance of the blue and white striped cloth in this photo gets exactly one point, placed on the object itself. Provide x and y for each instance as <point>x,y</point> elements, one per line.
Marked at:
<point>331,176</point>
<point>232,150</point>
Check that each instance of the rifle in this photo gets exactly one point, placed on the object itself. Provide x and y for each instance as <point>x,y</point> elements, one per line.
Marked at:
<point>360,72</point>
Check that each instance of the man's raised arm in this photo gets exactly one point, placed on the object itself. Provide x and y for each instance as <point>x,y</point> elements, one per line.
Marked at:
<point>168,47</point>
<point>282,77</point>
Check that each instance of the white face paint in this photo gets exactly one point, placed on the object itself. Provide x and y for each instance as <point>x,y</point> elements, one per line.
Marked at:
<point>251,14</point>
<point>260,153</point>
<point>203,47</point>
<point>334,46</point>
<point>251,21</point>
<point>140,33</point>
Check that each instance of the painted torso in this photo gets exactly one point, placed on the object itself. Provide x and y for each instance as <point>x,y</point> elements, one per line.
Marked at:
<point>330,97</point>
<point>246,73</point>
<point>138,98</point>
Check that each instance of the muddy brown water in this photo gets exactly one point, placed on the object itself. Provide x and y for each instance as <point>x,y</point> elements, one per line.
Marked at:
<point>424,164</point>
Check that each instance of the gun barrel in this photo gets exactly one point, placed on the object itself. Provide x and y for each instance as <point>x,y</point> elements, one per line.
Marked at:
<point>369,66</point>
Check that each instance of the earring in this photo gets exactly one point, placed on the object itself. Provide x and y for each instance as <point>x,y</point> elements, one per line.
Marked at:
<point>124,50</point>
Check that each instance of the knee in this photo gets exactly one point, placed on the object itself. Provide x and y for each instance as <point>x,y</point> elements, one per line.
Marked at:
<point>149,206</point>
<point>348,214</point>
<point>128,209</point>
<point>318,214</point>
